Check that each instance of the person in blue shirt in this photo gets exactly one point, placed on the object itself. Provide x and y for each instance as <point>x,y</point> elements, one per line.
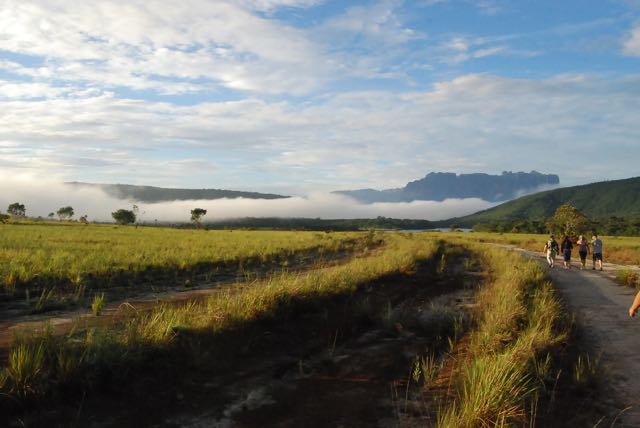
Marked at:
<point>596,244</point>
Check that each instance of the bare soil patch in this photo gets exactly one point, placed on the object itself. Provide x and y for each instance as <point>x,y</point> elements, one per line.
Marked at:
<point>342,361</point>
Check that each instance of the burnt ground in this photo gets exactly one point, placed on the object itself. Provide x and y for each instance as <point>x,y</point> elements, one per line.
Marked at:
<point>340,361</point>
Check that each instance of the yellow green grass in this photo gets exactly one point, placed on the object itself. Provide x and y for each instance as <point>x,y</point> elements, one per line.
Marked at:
<point>75,254</point>
<point>519,321</point>
<point>45,363</point>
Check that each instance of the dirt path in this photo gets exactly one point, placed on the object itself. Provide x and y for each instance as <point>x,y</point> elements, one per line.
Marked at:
<point>601,308</point>
<point>122,302</point>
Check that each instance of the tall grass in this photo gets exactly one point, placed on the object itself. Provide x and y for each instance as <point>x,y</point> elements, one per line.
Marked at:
<point>519,319</point>
<point>628,278</point>
<point>86,356</point>
<point>77,255</point>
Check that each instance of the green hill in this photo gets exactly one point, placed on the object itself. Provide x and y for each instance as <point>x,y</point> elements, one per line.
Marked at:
<point>598,201</point>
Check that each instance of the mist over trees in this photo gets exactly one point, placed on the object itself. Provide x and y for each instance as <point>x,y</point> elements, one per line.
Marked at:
<point>124,217</point>
<point>17,209</point>
<point>65,213</point>
<point>196,216</point>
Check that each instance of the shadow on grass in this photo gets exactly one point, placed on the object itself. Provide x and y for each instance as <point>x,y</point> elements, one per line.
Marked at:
<point>63,292</point>
<point>202,363</point>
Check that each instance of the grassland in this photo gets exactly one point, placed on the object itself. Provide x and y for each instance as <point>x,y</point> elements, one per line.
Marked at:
<point>46,365</point>
<point>72,257</point>
<point>504,366</point>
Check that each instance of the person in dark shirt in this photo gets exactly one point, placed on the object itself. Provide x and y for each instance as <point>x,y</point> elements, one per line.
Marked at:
<point>583,250</point>
<point>566,246</point>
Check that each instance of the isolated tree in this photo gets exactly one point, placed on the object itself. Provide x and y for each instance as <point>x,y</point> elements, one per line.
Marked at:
<point>65,213</point>
<point>123,216</point>
<point>568,220</point>
<point>83,219</point>
<point>51,215</point>
<point>4,218</point>
<point>196,216</point>
<point>17,209</point>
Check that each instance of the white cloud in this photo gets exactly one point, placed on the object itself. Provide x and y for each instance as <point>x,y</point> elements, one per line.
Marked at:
<point>141,44</point>
<point>459,49</point>
<point>13,90</point>
<point>42,196</point>
<point>376,139</point>
<point>376,23</point>
<point>631,45</point>
<point>271,5</point>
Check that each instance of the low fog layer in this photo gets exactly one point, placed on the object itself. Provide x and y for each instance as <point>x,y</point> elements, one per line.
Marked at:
<point>40,198</point>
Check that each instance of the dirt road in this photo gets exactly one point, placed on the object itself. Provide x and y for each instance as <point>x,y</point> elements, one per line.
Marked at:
<point>601,308</point>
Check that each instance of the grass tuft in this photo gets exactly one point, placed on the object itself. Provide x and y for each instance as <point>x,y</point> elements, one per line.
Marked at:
<point>97,305</point>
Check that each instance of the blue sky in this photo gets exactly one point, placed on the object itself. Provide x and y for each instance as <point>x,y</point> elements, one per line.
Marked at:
<point>303,96</point>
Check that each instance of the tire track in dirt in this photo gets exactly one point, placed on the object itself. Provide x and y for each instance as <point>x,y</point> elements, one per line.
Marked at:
<point>601,308</point>
<point>62,321</point>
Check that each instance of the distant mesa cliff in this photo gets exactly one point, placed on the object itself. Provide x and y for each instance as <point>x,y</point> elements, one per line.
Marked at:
<point>438,186</point>
<point>150,194</point>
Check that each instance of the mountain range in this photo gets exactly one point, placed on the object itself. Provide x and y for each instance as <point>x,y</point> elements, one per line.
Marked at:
<point>438,186</point>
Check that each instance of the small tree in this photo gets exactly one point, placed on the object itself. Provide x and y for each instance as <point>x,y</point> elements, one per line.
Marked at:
<point>83,219</point>
<point>4,218</point>
<point>123,216</point>
<point>17,209</point>
<point>51,215</point>
<point>196,216</point>
<point>568,220</point>
<point>65,213</point>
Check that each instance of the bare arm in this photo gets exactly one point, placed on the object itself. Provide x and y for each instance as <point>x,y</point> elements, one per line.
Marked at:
<point>635,305</point>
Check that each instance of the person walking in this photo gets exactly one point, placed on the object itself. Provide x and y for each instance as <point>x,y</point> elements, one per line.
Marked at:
<point>583,250</point>
<point>566,246</point>
<point>635,305</point>
<point>596,244</point>
<point>551,250</point>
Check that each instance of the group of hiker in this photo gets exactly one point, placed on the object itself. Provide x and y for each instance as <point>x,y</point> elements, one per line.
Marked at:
<point>552,249</point>
<point>594,247</point>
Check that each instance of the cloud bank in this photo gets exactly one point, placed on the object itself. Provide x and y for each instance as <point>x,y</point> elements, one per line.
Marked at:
<point>41,197</point>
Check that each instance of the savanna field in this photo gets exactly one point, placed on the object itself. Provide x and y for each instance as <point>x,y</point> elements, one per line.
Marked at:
<point>437,329</point>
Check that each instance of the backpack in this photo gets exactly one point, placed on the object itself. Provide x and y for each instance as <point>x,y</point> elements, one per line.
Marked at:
<point>553,245</point>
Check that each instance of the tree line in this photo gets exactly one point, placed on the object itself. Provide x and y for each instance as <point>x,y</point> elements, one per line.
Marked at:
<point>122,216</point>
<point>567,220</point>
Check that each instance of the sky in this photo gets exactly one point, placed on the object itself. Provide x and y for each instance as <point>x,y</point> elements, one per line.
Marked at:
<point>305,96</point>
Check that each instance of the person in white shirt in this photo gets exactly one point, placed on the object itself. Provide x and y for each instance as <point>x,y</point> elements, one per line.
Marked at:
<point>551,250</point>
